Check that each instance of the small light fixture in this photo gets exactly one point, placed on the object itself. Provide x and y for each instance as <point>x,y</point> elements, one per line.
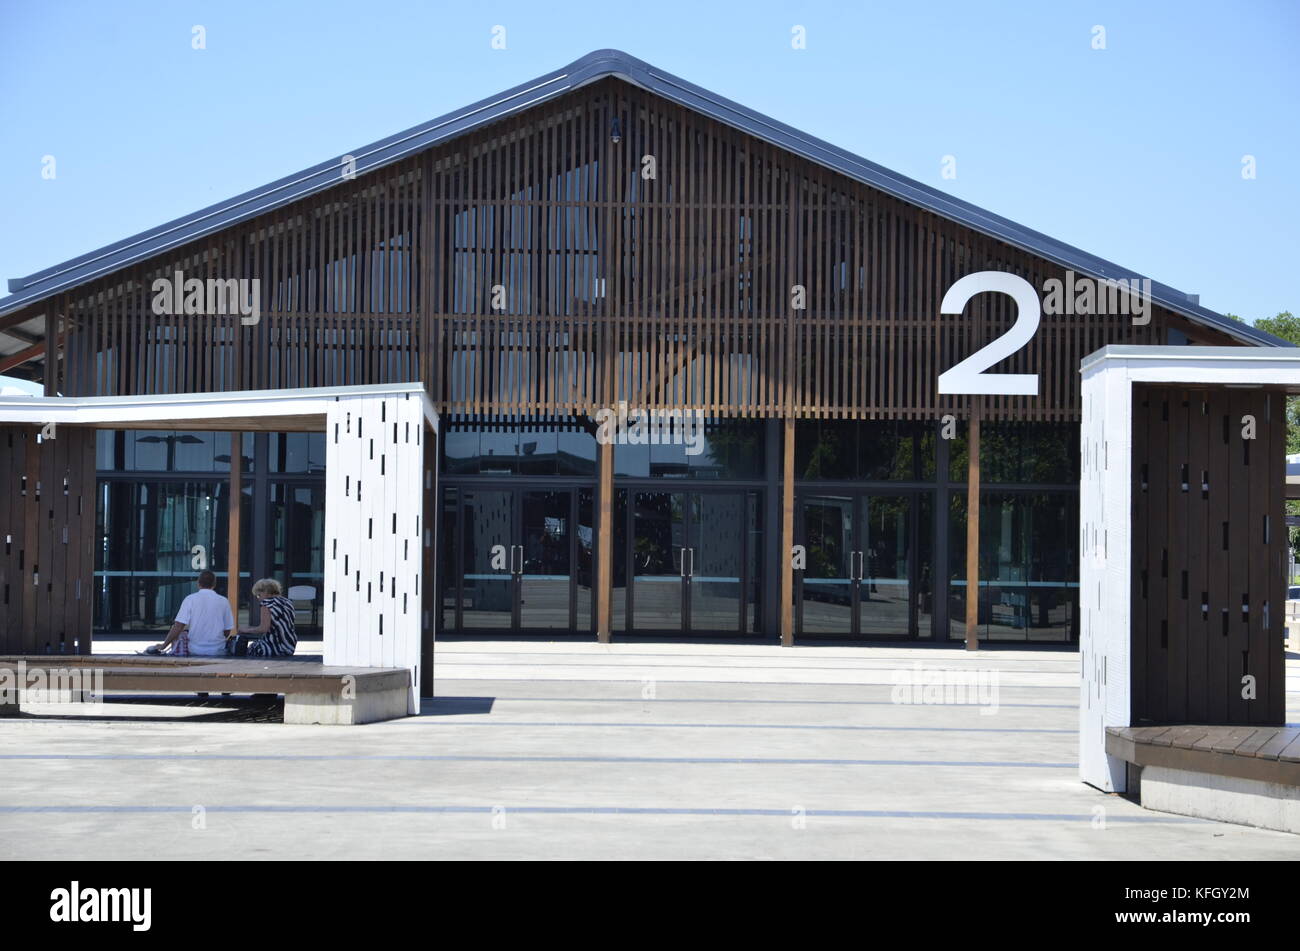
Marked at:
<point>615,131</point>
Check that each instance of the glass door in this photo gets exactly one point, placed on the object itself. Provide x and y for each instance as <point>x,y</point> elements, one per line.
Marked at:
<point>860,565</point>
<point>659,560</point>
<point>488,552</point>
<point>544,567</point>
<point>718,527</point>
<point>509,558</point>
<point>885,585</point>
<point>828,602</point>
<point>694,560</point>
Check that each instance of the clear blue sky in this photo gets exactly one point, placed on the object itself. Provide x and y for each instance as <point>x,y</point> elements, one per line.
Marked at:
<point>1133,152</point>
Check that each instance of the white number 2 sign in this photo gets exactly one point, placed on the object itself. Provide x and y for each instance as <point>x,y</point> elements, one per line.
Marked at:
<point>969,376</point>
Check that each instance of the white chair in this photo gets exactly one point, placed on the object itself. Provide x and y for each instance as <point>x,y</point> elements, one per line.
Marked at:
<point>304,592</point>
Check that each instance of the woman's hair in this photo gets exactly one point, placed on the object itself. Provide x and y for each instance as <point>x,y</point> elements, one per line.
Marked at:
<point>267,588</point>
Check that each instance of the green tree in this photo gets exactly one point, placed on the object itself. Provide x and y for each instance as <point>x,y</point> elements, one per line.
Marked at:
<point>1287,326</point>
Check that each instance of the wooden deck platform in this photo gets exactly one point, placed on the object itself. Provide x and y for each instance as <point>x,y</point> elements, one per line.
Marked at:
<point>1268,754</point>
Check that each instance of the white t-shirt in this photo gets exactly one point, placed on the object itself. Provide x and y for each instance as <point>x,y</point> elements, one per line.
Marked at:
<point>207,614</point>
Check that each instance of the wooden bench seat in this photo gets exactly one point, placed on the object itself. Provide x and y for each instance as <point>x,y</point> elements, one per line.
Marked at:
<point>1268,754</point>
<point>313,692</point>
<point>1245,774</point>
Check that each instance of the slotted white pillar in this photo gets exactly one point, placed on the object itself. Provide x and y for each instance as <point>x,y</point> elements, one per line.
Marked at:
<point>374,470</point>
<point>1106,454</point>
<point>1106,510</point>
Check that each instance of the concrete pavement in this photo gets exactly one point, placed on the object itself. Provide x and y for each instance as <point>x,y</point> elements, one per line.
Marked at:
<point>637,750</point>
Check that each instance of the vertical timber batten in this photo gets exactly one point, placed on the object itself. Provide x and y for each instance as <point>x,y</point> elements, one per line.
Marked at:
<point>787,534</point>
<point>605,544</point>
<point>232,545</point>
<point>973,527</point>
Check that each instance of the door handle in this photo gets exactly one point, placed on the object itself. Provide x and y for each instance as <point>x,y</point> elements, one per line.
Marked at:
<point>520,569</point>
<point>683,559</point>
<point>692,572</point>
<point>857,566</point>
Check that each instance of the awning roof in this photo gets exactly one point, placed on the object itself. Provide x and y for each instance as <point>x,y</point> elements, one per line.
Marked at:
<point>300,410</point>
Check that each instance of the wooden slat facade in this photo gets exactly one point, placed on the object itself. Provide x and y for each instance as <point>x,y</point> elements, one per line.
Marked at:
<point>1209,550</point>
<point>47,525</point>
<point>536,269</point>
<point>676,291</point>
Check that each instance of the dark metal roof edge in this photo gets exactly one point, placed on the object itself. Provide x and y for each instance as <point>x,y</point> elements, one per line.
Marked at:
<point>915,193</point>
<point>282,191</point>
<point>590,68</point>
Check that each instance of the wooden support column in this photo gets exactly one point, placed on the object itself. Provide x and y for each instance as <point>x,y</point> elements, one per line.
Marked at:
<point>610,223</point>
<point>431,526</point>
<point>605,543</point>
<point>973,528</point>
<point>232,541</point>
<point>787,533</point>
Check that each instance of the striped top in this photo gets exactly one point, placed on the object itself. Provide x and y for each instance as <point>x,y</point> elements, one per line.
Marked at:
<point>282,637</point>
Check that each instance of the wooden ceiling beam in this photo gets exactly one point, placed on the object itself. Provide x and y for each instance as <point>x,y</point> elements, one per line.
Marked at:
<point>21,357</point>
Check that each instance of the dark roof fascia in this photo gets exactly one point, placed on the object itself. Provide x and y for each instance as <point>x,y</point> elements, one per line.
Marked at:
<point>281,192</point>
<point>591,68</point>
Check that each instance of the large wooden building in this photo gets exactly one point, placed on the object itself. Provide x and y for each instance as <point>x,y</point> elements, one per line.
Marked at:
<point>606,234</point>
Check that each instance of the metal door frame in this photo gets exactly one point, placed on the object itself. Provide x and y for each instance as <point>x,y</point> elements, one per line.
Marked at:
<point>751,496</point>
<point>515,541</point>
<point>861,496</point>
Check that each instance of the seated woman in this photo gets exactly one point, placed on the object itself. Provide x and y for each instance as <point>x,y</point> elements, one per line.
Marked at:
<point>277,634</point>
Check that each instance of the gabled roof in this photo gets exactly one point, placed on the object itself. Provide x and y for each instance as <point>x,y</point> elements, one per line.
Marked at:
<point>590,68</point>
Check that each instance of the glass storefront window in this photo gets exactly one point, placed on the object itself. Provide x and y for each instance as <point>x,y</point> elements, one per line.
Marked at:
<point>728,449</point>
<point>164,451</point>
<point>297,539</point>
<point>144,551</point>
<point>296,452</point>
<point>1029,452</point>
<point>825,449</point>
<point>1019,453</point>
<point>566,448</point>
<point>498,453</point>
<point>537,453</point>
<point>864,450</point>
<point>895,451</point>
<point>459,451</point>
<point>1029,566</point>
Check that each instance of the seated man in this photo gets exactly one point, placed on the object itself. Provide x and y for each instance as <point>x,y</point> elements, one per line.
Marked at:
<point>202,624</point>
